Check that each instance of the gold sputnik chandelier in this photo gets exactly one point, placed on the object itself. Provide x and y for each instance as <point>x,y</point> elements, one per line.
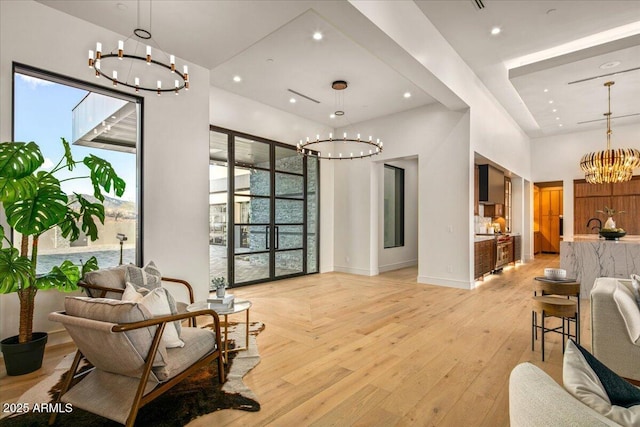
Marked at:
<point>610,165</point>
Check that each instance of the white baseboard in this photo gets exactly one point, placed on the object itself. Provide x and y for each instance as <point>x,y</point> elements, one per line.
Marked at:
<point>439,281</point>
<point>358,271</point>
<point>397,265</point>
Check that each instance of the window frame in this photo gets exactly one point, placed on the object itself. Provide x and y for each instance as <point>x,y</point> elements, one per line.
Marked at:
<point>20,68</point>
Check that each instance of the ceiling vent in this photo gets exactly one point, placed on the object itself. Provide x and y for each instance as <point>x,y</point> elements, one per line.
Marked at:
<point>478,4</point>
<point>304,96</point>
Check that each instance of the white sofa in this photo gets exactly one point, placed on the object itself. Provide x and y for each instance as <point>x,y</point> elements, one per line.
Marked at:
<point>536,400</point>
<point>615,326</point>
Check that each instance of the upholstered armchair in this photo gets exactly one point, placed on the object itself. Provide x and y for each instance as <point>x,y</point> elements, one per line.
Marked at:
<point>123,342</point>
<point>615,326</point>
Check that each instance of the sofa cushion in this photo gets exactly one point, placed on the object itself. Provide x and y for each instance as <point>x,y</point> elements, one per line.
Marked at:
<point>107,278</point>
<point>598,387</point>
<point>198,343</point>
<point>147,277</point>
<point>629,311</point>
<point>157,302</point>
<point>635,285</point>
<point>116,311</point>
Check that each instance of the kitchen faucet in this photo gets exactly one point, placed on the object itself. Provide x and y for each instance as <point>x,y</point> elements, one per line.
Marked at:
<point>599,226</point>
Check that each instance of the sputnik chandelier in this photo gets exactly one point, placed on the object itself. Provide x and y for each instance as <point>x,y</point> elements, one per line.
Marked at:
<point>610,165</point>
<point>340,148</point>
<point>139,66</point>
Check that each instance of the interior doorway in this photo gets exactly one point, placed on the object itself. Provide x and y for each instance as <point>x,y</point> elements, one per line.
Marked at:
<point>547,216</point>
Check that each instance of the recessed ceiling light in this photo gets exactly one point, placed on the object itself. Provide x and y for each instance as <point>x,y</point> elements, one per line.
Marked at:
<point>495,31</point>
<point>237,79</point>
<point>292,100</point>
<point>554,110</point>
<point>113,117</point>
<point>560,125</point>
<point>317,35</point>
<point>551,101</point>
<point>332,116</point>
<point>610,64</point>
<point>557,118</point>
<point>546,90</point>
<point>407,95</point>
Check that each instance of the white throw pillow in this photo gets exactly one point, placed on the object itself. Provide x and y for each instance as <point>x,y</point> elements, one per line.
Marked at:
<point>157,302</point>
<point>581,381</point>
<point>635,285</point>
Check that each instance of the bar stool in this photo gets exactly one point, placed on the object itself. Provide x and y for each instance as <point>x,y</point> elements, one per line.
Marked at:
<point>568,310</point>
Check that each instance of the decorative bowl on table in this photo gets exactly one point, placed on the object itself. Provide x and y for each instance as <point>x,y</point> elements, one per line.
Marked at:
<point>555,273</point>
<point>612,233</point>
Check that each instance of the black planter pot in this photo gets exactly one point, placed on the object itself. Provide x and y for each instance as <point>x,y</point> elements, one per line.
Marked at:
<point>23,358</point>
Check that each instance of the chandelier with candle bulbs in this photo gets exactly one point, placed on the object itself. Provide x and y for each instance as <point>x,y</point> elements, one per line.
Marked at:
<point>344,147</point>
<point>138,65</point>
<point>610,165</point>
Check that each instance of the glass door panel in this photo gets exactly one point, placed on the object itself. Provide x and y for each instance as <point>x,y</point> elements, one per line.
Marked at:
<point>312,215</point>
<point>288,160</point>
<point>251,267</point>
<point>289,262</point>
<point>218,204</point>
<point>255,182</point>
<point>288,185</point>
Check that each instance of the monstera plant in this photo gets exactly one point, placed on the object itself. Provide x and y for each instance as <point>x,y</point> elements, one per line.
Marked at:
<point>34,203</point>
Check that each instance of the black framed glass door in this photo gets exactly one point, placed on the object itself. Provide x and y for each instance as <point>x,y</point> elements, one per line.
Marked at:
<point>272,210</point>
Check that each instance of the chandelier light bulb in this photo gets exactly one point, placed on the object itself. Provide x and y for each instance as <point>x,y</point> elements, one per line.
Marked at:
<point>96,66</point>
<point>172,63</point>
<point>90,59</point>
<point>115,78</point>
<point>330,135</point>
<point>120,49</point>
<point>345,135</point>
<point>148,55</point>
<point>98,50</point>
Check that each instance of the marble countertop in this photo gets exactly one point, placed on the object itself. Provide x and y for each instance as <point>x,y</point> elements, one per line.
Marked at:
<point>629,239</point>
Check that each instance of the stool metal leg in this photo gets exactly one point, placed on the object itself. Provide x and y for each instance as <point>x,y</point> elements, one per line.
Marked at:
<point>543,331</point>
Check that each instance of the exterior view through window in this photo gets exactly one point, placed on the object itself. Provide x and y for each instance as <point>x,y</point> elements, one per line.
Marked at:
<point>393,206</point>
<point>46,108</point>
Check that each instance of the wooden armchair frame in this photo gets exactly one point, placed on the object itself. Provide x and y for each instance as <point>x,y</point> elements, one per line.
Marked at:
<point>140,399</point>
<point>102,291</point>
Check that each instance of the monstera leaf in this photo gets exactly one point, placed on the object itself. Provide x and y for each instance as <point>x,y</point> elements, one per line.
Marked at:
<point>90,265</point>
<point>67,154</point>
<point>69,225</point>
<point>35,215</point>
<point>88,211</point>
<point>64,278</point>
<point>19,159</point>
<point>15,271</point>
<point>103,175</point>
<point>12,189</point>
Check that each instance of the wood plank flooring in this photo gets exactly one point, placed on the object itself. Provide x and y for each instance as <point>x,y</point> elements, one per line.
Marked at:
<point>345,350</point>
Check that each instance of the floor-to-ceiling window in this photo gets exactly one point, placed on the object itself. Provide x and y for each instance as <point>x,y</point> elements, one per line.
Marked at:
<point>94,121</point>
<point>263,209</point>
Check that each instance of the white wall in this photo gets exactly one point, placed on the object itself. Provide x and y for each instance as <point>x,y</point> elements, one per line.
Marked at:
<point>440,140</point>
<point>557,158</point>
<point>235,112</point>
<point>176,145</point>
<point>407,255</point>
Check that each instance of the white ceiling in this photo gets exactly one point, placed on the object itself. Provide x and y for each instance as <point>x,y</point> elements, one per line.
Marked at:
<point>239,37</point>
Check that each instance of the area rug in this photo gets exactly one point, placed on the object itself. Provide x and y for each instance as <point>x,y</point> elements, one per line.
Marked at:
<point>197,395</point>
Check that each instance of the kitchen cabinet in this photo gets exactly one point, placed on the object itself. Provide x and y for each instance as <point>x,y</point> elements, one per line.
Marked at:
<point>537,242</point>
<point>623,196</point>
<point>550,213</point>
<point>494,211</point>
<point>484,257</point>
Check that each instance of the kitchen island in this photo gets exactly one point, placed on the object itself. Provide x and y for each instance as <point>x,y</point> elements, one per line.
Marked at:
<point>587,257</point>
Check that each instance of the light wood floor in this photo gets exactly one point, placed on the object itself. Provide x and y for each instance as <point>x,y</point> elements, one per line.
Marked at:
<point>343,350</point>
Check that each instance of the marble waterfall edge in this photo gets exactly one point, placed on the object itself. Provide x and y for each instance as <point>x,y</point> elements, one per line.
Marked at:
<point>589,259</point>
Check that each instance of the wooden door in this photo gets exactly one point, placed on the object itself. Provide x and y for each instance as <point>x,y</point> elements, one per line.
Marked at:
<point>550,211</point>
